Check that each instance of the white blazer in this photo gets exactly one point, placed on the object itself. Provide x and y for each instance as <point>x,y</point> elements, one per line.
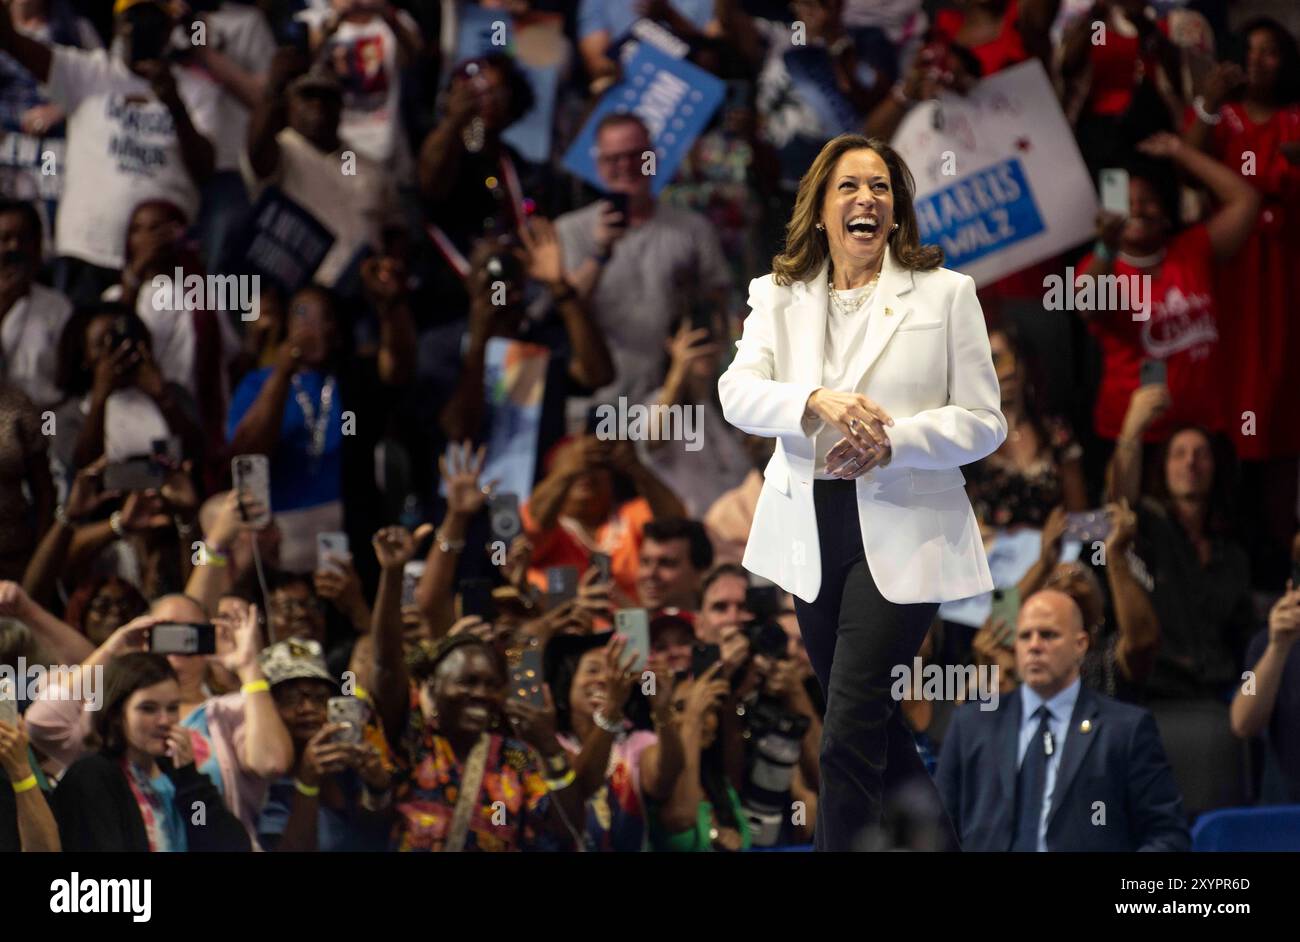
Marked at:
<point>926,362</point>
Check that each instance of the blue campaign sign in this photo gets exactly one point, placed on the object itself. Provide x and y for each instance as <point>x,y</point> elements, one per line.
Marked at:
<point>675,100</point>
<point>981,213</point>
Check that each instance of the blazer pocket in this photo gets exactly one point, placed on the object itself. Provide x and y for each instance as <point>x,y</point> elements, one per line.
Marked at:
<point>935,482</point>
<point>777,473</point>
<point>919,325</point>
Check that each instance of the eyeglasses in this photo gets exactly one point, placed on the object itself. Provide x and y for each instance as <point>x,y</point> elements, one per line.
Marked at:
<point>105,605</point>
<point>296,698</point>
<point>295,606</point>
<point>632,156</point>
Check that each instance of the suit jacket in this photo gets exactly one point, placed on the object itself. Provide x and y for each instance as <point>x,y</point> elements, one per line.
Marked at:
<point>926,361</point>
<point>1119,762</point>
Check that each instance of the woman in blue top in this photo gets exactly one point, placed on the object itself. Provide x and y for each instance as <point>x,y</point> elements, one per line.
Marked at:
<point>295,410</point>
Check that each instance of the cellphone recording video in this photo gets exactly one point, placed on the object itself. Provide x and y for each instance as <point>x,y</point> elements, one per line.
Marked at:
<point>703,656</point>
<point>1087,526</point>
<point>476,599</point>
<point>332,551</point>
<point>251,476</point>
<point>619,201</point>
<point>526,675</point>
<point>561,583</point>
<point>134,474</point>
<point>1152,373</point>
<point>412,573</point>
<point>503,516</point>
<point>347,710</point>
<point>183,638</point>
<point>634,623</point>
<point>1006,606</point>
<point>602,562</point>
<point>8,702</point>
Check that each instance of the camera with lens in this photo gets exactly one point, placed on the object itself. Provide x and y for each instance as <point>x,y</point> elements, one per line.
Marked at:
<point>775,737</point>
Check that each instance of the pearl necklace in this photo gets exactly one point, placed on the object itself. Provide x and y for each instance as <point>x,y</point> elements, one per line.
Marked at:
<point>846,308</point>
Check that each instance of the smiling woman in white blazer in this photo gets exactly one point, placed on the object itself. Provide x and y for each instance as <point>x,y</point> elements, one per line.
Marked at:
<point>870,365</point>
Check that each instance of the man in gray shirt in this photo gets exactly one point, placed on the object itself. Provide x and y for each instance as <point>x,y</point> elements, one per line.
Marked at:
<point>638,275</point>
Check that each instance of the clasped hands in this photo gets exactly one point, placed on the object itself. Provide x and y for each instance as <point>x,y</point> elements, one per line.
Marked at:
<point>865,445</point>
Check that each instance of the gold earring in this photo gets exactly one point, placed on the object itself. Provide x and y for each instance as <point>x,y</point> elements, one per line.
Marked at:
<point>820,227</point>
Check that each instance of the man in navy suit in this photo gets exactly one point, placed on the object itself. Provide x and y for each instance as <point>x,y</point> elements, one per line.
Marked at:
<point>1057,766</point>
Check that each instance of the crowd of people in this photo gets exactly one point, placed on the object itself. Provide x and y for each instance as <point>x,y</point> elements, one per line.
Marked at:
<point>421,628</point>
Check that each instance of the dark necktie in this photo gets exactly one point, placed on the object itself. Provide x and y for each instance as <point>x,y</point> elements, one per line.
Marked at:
<point>1030,785</point>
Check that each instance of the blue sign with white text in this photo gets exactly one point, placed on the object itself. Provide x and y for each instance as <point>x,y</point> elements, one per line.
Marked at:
<point>981,213</point>
<point>675,100</point>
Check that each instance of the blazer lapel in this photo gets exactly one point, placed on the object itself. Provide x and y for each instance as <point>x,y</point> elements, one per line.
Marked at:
<point>1077,744</point>
<point>806,326</point>
<point>888,309</point>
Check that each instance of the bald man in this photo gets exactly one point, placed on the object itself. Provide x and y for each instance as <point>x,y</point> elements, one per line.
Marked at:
<point>1057,766</point>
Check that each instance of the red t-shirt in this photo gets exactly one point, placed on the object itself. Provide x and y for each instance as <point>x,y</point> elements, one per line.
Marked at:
<point>1182,330</point>
<point>1006,50</point>
<point>1115,70</point>
<point>619,537</point>
<point>1261,343</point>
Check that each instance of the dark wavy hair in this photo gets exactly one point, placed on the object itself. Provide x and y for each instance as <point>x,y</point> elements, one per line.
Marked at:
<point>1288,79</point>
<point>123,676</point>
<point>1220,517</point>
<point>517,84</point>
<point>71,375</point>
<point>806,248</point>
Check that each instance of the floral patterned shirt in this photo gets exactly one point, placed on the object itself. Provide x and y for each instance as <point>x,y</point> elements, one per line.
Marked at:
<point>512,802</point>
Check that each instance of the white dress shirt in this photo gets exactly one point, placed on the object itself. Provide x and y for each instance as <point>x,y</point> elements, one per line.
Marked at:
<point>846,333</point>
<point>1060,708</point>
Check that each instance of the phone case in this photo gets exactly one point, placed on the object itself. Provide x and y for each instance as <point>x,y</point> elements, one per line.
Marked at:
<point>348,710</point>
<point>332,551</point>
<point>635,624</point>
<point>526,676</point>
<point>1114,191</point>
<point>8,703</point>
<point>252,473</point>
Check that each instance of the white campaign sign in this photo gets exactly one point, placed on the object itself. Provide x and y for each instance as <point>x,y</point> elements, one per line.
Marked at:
<point>999,180</point>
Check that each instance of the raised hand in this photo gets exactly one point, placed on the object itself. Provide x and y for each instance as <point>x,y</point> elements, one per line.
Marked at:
<point>460,471</point>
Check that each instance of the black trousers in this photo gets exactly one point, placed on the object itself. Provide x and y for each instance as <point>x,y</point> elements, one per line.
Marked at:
<point>855,637</point>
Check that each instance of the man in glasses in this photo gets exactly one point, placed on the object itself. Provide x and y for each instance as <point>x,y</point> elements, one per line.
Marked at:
<point>640,265</point>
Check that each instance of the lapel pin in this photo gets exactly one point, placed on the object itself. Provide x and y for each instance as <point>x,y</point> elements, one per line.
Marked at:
<point>889,312</point>
<point>1085,726</point>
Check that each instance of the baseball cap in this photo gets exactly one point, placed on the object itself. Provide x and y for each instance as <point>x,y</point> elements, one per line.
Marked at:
<point>294,659</point>
<point>666,617</point>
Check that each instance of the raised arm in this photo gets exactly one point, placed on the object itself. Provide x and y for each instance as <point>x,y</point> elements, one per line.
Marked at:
<point>270,115</point>
<point>1135,616</point>
<point>1250,713</point>
<point>1124,475</point>
<point>1233,221</point>
<point>33,56</point>
<point>394,547</point>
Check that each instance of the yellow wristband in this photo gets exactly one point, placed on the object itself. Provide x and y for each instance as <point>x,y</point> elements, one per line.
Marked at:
<point>311,791</point>
<point>256,686</point>
<point>25,785</point>
<point>564,781</point>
